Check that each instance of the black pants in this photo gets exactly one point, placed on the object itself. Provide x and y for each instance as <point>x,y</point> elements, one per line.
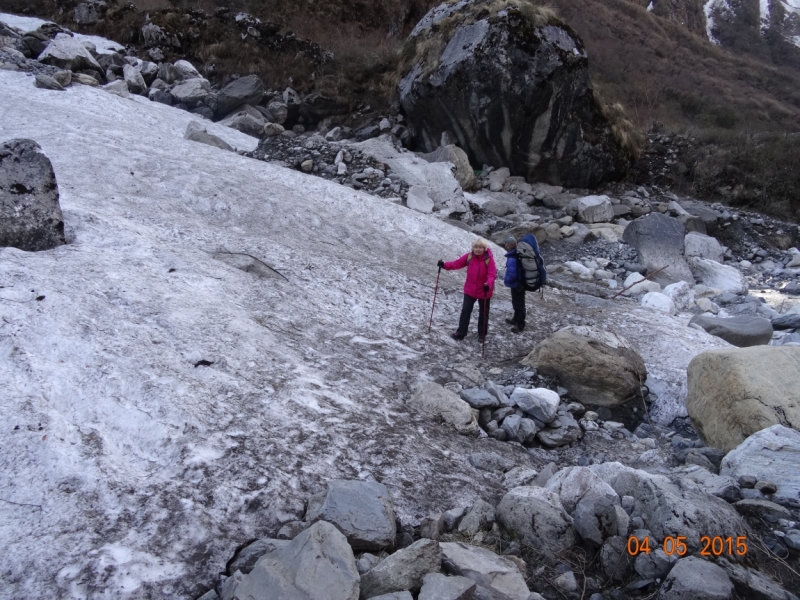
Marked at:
<point>518,302</point>
<point>466,313</point>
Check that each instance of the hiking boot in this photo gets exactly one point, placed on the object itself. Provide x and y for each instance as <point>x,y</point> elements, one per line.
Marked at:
<point>511,321</point>
<point>517,329</point>
<point>456,336</point>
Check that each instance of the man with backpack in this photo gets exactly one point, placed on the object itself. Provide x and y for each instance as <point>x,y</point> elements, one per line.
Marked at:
<point>514,281</point>
<point>525,272</point>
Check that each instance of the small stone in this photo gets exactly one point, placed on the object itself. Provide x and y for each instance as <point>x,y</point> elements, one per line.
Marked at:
<point>747,481</point>
<point>567,582</point>
<point>766,487</point>
<point>307,165</point>
<point>46,82</point>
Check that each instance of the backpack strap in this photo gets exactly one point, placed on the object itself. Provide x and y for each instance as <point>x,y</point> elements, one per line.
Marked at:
<point>486,261</point>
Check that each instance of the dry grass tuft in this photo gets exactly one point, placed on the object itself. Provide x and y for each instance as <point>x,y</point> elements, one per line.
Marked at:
<point>631,138</point>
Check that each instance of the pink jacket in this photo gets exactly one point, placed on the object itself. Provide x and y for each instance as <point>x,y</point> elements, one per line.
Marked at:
<point>478,273</point>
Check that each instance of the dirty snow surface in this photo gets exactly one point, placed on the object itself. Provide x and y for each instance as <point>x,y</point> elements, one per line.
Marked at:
<point>161,406</point>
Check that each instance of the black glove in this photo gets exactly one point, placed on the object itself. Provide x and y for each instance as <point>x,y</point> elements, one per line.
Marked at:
<point>440,264</point>
<point>485,288</point>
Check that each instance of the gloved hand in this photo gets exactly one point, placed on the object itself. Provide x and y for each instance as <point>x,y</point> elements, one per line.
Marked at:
<point>485,288</point>
<point>440,264</point>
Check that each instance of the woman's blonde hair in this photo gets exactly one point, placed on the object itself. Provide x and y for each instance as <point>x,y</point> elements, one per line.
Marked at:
<point>480,243</point>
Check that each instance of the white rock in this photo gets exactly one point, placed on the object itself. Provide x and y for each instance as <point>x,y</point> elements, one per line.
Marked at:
<point>538,402</point>
<point>682,294</point>
<point>417,199</point>
<point>579,269</point>
<point>703,246</point>
<point>592,209</point>
<point>640,288</point>
<point>573,483</point>
<point>706,305</point>
<point>186,69</point>
<point>489,570</point>
<point>771,454</point>
<point>659,302</point>
<point>713,274</point>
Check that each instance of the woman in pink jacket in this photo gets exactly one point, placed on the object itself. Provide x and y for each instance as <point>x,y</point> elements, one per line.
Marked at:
<point>481,273</point>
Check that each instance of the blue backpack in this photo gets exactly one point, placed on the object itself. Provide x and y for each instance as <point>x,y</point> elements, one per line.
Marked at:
<point>532,273</point>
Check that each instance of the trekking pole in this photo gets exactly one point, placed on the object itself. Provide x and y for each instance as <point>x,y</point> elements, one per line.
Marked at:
<point>485,325</point>
<point>436,289</point>
<point>622,291</point>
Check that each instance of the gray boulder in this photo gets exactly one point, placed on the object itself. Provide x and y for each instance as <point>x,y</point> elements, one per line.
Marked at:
<point>46,82</point>
<point>655,564</point>
<point>118,88</point>
<point>191,92</point>
<point>133,77</point>
<point>787,321</point>
<point>436,586</point>
<point>186,69</point>
<point>499,576</point>
<point>599,516</point>
<point>514,87</point>
<point>741,331</point>
<point>197,133</point>
<point>247,120</point>
<point>671,506</point>
<point>596,366</point>
<point>432,526</point>
<point>362,510</point>
<point>749,583</point>
<point>480,517</point>
<point>540,403</point>
<point>67,52</point>
<point>714,275</point>
<point>538,516</point>
<point>435,401</point>
<point>245,90</point>
<point>30,213</point>
<point>317,565</point>
<point>616,562</point>
<point>478,398</point>
<point>770,454</point>
<point>693,578</point>
<point>563,430</point>
<point>659,242</point>
<point>63,77</point>
<point>702,246</point>
<point>403,570</point>
<point>248,556</point>
<point>591,209</point>
<point>462,170</point>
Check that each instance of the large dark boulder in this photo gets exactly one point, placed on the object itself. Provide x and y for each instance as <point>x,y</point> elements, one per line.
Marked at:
<point>512,85</point>
<point>30,215</point>
<point>245,90</point>
<point>743,331</point>
<point>659,242</point>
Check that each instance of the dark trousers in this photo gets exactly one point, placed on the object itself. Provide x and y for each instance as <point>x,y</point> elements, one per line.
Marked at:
<point>518,303</point>
<point>466,313</point>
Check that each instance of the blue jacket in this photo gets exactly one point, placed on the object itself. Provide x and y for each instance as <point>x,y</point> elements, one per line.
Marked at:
<point>511,279</point>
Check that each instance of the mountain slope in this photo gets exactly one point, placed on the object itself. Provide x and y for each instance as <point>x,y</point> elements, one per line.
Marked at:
<point>162,407</point>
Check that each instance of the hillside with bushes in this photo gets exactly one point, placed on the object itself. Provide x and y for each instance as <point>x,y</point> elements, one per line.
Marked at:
<point>735,98</point>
